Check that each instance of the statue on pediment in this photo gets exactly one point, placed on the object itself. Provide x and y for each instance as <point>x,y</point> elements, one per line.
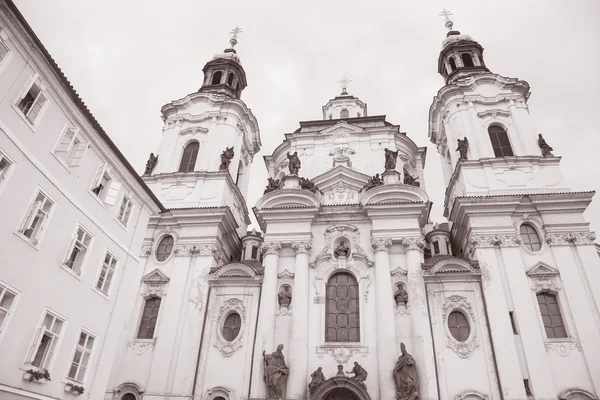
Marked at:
<point>317,380</point>
<point>226,158</point>
<point>294,163</point>
<point>390,159</point>
<point>272,184</point>
<point>150,164</point>
<point>373,182</point>
<point>545,147</point>
<point>308,185</point>
<point>360,374</point>
<point>463,148</point>
<point>411,180</point>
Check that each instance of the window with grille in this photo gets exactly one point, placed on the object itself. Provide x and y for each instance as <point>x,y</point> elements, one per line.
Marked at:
<point>164,248</point>
<point>188,159</point>
<point>36,217</point>
<point>7,298</point>
<point>231,326</point>
<point>71,147</point>
<point>78,250</point>
<point>125,210</point>
<point>81,356</point>
<point>107,272</point>
<point>553,322</point>
<point>5,165</point>
<point>530,237</point>
<point>459,326</point>
<point>342,309</point>
<point>149,318</point>
<point>33,101</point>
<point>344,113</point>
<point>500,142</point>
<point>45,341</point>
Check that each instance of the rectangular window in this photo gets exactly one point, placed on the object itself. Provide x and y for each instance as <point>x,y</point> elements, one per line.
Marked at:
<point>107,272</point>
<point>32,102</point>
<point>436,248</point>
<point>81,356</point>
<point>36,217</point>
<point>5,165</point>
<point>553,322</point>
<point>125,210</point>
<point>45,341</point>
<point>78,250</point>
<point>149,318</point>
<point>104,186</point>
<point>7,299</point>
<point>255,252</point>
<point>513,323</point>
<point>71,147</point>
<point>4,50</point>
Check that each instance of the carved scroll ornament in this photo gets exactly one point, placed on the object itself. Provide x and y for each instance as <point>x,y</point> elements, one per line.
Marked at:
<point>227,348</point>
<point>459,303</point>
<point>270,248</point>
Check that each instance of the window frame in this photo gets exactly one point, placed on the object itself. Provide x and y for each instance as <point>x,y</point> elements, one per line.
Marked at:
<point>129,198</point>
<point>37,337</point>
<point>5,287</point>
<point>35,79</point>
<point>158,242</point>
<point>99,274</point>
<point>326,340</point>
<point>461,312</point>
<point>239,327</point>
<point>74,153</point>
<point>108,194</point>
<point>4,176</point>
<point>568,336</point>
<point>91,352</point>
<point>188,162</point>
<point>538,231</point>
<point>344,110</point>
<point>28,216</point>
<point>9,53</point>
<point>71,248</point>
<point>156,324</point>
<point>510,145</point>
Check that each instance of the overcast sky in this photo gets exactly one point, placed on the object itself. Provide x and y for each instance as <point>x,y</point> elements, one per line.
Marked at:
<point>128,58</point>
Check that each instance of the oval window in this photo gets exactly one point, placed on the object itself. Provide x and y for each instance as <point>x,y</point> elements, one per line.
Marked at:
<point>530,237</point>
<point>164,248</point>
<point>231,327</point>
<point>459,326</point>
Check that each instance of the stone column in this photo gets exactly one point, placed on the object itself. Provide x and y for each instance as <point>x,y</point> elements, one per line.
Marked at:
<point>422,340</point>
<point>298,359</point>
<point>386,328</point>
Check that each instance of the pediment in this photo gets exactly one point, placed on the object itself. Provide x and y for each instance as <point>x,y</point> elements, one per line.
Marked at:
<point>155,277</point>
<point>341,128</point>
<point>340,174</point>
<point>235,270</point>
<point>541,270</point>
<point>446,264</point>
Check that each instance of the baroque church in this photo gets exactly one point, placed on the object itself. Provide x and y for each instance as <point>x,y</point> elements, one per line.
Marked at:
<point>348,290</point>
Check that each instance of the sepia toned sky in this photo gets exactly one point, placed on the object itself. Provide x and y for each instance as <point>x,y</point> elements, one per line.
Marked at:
<point>127,58</point>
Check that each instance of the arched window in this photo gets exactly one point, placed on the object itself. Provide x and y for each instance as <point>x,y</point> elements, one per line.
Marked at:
<point>129,396</point>
<point>219,398</point>
<point>553,322</point>
<point>231,326</point>
<point>500,142</point>
<point>436,247</point>
<point>459,326</point>
<point>216,78</point>
<point>530,237</point>
<point>164,248</point>
<point>188,160</point>
<point>344,113</point>
<point>467,60</point>
<point>230,80</point>
<point>452,64</point>
<point>342,309</point>
<point>149,318</point>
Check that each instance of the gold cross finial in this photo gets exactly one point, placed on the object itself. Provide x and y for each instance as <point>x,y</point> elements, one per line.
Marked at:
<point>234,34</point>
<point>344,84</point>
<point>446,14</point>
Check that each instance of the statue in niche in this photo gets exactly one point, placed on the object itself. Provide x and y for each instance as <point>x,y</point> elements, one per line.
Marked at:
<point>226,158</point>
<point>342,250</point>
<point>374,181</point>
<point>400,296</point>
<point>390,159</point>
<point>275,373</point>
<point>405,377</point>
<point>150,164</point>
<point>308,185</point>
<point>273,184</point>
<point>545,147</point>
<point>410,180</point>
<point>463,147</point>
<point>360,374</point>
<point>294,163</point>
<point>285,296</point>
<point>317,379</point>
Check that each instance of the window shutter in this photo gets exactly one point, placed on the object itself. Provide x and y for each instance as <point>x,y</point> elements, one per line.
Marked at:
<point>113,192</point>
<point>70,249</point>
<point>50,352</point>
<point>35,207</point>
<point>66,140</point>
<point>79,152</point>
<point>36,342</point>
<point>99,174</point>
<point>28,86</point>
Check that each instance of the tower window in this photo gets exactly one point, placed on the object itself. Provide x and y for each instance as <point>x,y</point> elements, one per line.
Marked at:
<point>452,64</point>
<point>530,237</point>
<point>459,326</point>
<point>254,252</point>
<point>553,322</point>
<point>500,142</point>
<point>231,327</point>
<point>188,160</point>
<point>436,247</point>
<point>216,78</point>
<point>467,60</point>
<point>230,80</point>
<point>342,322</point>
<point>344,113</point>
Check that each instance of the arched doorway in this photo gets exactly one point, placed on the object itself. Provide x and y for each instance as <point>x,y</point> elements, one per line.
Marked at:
<point>341,394</point>
<point>341,388</point>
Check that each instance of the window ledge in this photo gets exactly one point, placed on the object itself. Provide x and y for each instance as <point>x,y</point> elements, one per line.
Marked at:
<point>101,293</point>
<point>26,240</point>
<point>98,199</point>
<point>24,118</point>
<point>71,272</point>
<point>62,162</point>
<point>121,224</point>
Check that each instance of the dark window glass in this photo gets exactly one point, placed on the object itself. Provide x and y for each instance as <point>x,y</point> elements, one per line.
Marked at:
<point>254,252</point>
<point>216,79</point>
<point>344,113</point>
<point>436,247</point>
<point>219,398</point>
<point>553,322</point>
<point>530,237</point>
<point>129,396</point>
<point>342,319</point>
<point>459,326</point>
<point>452,64</point>
<point>231,327</point>
<point>500,141</point>
<point>230,80</point>
<point>467,60</point>
<point>164,248</point>
<point>149,317</point>
<point>188,160</point>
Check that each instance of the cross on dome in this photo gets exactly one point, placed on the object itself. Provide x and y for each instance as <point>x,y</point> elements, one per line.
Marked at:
<point>344,84</point>
<point>234,34</point>
<point>446,14</point>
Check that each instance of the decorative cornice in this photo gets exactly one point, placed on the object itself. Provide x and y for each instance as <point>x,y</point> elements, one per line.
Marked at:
<point>485,241</point>
<point>270,248</point>
<point>302,247</point>
<point>413,243</point>
<point>286,275</point>
<point>381,244</point>
<point>565,239</point>
<point>199,250</point>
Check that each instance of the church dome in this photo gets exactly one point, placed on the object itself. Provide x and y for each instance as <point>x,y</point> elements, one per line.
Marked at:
<point>228,54</point>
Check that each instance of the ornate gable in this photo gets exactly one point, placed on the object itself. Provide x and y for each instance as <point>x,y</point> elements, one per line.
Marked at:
<point>155,277</point>
<point>340,185</point>
<point>541,271</point>
<point>342,128</point>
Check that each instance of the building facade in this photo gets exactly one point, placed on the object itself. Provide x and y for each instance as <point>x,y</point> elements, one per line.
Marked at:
<point>73,214</point>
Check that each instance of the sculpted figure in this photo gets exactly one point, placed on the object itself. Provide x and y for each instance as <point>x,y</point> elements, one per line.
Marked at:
<point>342,250</point>
<point>273,184</point>
<point>400,296</point>
<point>150,164</point>
<point>390,159</point>
<point>374,181</point>
<point>463,147</point>
<point>275,373</point>
<point>546,149</point>
<point>226,158</point>
<point>317,379</point>
<point>285,296</point>
<point>294,163</point>
<point>340,370</point>
<point>405,377</point>
<point>308,185</point>
<point>360,375</point>
<point>409,180</point>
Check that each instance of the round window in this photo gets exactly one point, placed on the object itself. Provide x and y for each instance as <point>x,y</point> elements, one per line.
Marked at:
<point>164,248</point>
<point>459,326</point>
<point>231,327</point>
<point>530,237</point>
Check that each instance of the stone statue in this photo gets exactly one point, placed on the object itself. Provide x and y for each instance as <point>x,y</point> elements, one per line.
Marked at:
<point>405,377</point>
<point>410,180</point>
<point>360,375</point>
<point>340,371</point>
<point>226,158</point>
<point>150,164</point>
<point>400,296</point>
<point>273,184</point>
<point>275,373</point>
<point>374,181</point>
<point>294,163</point>
<point>342,250</point>
<point>390,159</point>
<point>317,379</point>
<point>546,149</point>
<point>463,147</point>
<point>308,185</point>
<point>285,296</point>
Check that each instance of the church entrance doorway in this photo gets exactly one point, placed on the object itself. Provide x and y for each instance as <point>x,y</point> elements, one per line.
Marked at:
<point>341,394</point>
<point>340,388</point>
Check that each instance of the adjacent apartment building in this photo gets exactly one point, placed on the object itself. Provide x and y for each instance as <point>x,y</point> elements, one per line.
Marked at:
<point>73,213</point>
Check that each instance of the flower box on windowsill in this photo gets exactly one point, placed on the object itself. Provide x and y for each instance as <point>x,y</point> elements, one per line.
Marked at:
<point>74,389</point>
<point>39,376</point>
